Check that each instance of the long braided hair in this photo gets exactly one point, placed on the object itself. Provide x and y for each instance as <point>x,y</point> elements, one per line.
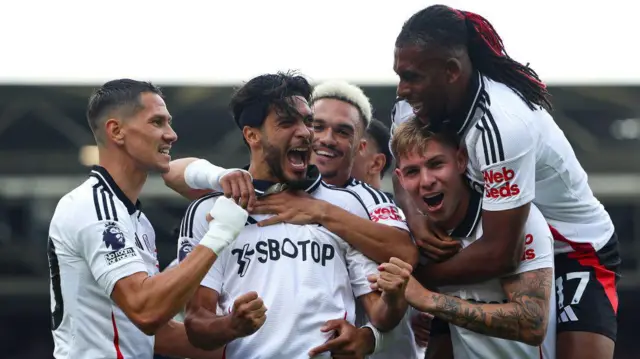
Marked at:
<point>451,28</point>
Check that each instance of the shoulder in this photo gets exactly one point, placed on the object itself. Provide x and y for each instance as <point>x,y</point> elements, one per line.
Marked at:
<point>370,196</point>
<point>339,196</point>
<point>86,204</point>
<point>196,213</point>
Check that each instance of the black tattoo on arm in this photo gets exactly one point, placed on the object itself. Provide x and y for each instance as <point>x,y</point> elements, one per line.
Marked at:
<point>524,318</point>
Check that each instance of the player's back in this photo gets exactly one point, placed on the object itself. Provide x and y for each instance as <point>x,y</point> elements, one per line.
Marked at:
<point>562,192</point>
<point>87,254</point>
<point>305,275</point>
<point>538,253</point>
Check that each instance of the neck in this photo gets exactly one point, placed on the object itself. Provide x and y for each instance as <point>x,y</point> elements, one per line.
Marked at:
<point>460,212</point>
<point>259,170</point>
<point>374,181</point>
<point>125,174</point>
<point>339,180</point>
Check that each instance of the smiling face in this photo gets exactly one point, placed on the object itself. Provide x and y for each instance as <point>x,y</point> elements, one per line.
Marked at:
<point>432,174</point>
<point>338,137</point>
<point>147,135</point>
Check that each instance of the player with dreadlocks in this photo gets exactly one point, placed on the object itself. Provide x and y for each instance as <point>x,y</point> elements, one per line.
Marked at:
<point>457,77</point>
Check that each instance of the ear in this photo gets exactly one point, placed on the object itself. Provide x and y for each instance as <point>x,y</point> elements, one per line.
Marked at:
<point>398,174</point>
<point>252,135</point>
<point>378,163</point>
<point>362,148</point>
<point>114,131</point>
<point>462,158</point>
<point>453,69</point>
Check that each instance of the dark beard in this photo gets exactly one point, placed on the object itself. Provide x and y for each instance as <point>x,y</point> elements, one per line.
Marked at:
<point>273,157</point>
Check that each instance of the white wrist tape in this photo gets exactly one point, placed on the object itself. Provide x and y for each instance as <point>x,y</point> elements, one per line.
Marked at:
<point>379,337</point>
<point>202,174</point>
<point>228,220</point>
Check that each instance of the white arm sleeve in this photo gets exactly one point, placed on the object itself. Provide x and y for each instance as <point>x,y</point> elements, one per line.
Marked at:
<point>110,252</point>
<point>507,157</point>
<point>538,243</point>
<point>193,227</point>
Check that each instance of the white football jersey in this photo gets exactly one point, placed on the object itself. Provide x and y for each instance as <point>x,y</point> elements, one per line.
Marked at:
<point>517,156</point>
<point>305,274</point>
<point>399,342</point>
<point>97,236</point>
<point>538,253</point>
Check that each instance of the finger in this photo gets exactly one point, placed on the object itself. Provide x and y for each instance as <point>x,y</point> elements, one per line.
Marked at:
<point>435,253</point>
<point>441,234</point>
<point>252,194</point>
<point>257,313</point>
<point>245,298</point>
<point>402,264</point>
<point>235,191</point>
<point>386,285</point>
<point>435,242</point>
<point>391,268</point>
<point>226,187</point>
<point>372,278</point>
<point>271,220</point>
<point>330,345</point>
<point>333,324</point>
<point>253,305</point>
<point>374,286</point>
<point>244,194</point>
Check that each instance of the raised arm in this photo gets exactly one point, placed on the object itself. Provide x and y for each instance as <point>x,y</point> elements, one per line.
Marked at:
<point>193,178</point>
<point>151,301</point>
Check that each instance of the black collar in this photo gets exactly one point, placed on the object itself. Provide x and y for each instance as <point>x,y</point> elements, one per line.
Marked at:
<point>474,105</point>
<point>471,218</point>
<point>308,185</point>
<point>105,179</point>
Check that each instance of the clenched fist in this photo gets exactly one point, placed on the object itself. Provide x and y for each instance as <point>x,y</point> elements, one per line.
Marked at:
<point>248,314</point>
<point>392,279</point>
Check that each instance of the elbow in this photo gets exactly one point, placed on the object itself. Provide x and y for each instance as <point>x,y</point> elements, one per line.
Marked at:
<point>502,263</point>
<point>410,255</point>
<point>149,324</point>
<point>534,338</point>
<point>193,334</point>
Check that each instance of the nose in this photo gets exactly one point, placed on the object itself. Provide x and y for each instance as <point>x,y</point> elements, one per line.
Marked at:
<point>303,131</point>
<point>170,135</point>
<point>326,137</point>
<point>427,179</point>
<point>403,91</point>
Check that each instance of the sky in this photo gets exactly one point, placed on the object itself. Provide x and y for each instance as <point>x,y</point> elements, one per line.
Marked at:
<point>212,42</point>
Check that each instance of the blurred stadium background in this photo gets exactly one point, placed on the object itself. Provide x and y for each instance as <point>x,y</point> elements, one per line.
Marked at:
<point>46,145</point>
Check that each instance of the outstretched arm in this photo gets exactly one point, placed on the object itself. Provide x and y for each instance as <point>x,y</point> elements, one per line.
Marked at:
<point>524,318</point>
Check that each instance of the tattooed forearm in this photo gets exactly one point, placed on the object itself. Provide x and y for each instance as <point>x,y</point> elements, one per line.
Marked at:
<point>524,318</point>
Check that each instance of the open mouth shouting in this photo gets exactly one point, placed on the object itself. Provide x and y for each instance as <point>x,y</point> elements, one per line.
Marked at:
<point>433,201</point>
<point>298,158</point>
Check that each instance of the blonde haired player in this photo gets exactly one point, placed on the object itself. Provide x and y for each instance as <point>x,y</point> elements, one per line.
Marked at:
<point>507,317</point>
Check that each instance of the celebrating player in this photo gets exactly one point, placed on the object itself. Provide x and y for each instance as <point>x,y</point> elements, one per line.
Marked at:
<point>108,299</point>
<point>304,275</point>
<point>456,75</point>
<point>515,307</point>
<point>371,165</point>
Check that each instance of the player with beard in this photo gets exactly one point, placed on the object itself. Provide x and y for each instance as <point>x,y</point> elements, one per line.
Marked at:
<point>456,74</point>
<point>307,276</point>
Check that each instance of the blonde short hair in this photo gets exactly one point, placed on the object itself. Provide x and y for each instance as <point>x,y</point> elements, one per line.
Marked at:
<point>413,136</point>
<point>346,92</point>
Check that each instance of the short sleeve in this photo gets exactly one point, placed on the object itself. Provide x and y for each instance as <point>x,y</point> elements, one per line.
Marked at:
<point>380,207</point>
<point>359,267</point>
<point>109,249</point>
<point>193,227</point>
<point>538,243</point>
<point>507,157</point>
